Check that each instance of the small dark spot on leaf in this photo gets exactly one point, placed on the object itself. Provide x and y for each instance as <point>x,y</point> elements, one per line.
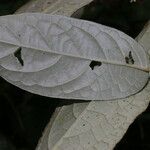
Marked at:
<point>95,63</point>
<point>17,54</point>
<point>83,125</point>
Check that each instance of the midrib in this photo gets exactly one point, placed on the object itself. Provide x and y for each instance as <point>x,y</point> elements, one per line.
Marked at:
<point>80,57</point>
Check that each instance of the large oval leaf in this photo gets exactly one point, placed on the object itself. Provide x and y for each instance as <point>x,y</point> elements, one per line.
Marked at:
<point>62,57</point>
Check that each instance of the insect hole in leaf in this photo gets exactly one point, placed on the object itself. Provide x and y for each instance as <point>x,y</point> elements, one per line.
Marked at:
<point>95,63</point>
<point>17,54</point>
<point>129,59</point>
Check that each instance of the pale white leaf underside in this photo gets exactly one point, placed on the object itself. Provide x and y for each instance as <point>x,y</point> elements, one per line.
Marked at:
<point>57,52</point>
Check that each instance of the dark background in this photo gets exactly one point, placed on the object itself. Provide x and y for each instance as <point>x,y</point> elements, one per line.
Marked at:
<point>23,115</point>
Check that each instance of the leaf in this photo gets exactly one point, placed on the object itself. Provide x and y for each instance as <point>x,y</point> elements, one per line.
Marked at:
<point>59,7</point>
<point>69,58</point>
